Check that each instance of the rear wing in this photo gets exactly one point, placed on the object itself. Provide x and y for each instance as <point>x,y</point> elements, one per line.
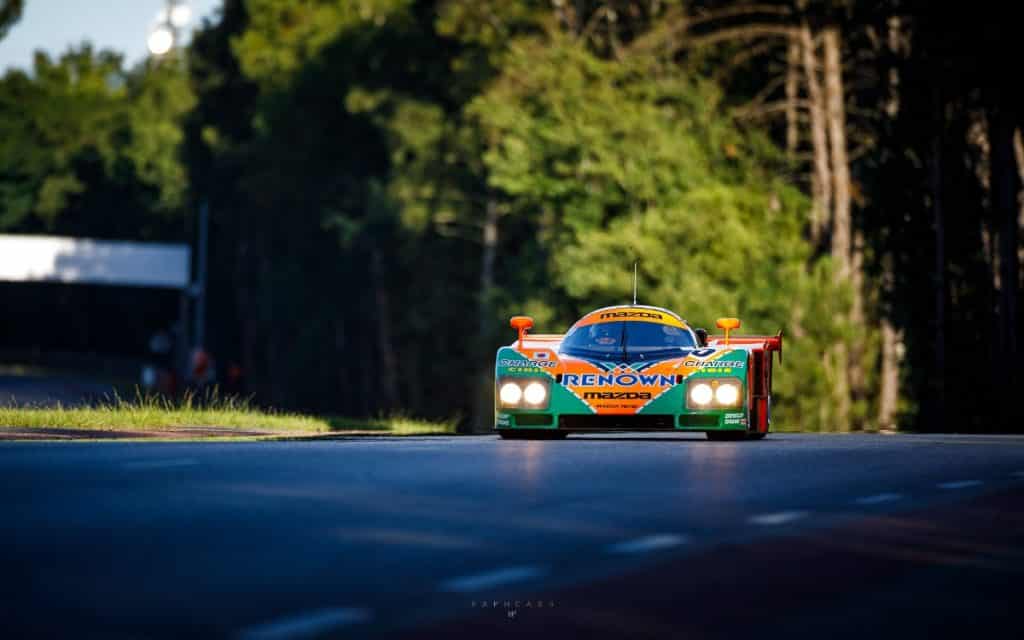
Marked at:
<point>761,343</point>
<point>535,341</point>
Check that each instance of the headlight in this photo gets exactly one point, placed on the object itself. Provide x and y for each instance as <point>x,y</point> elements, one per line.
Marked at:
<point>715,393</point>
<point>510,393</point>
<point>524,393</point>
<point>727,394</point>
<point>535,393</point>
<point>701,394</point>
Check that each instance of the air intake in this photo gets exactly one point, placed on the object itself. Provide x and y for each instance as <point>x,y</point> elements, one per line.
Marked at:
<point>628,422</point>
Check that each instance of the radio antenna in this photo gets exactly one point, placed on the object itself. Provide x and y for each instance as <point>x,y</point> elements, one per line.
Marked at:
<point>634,281</point>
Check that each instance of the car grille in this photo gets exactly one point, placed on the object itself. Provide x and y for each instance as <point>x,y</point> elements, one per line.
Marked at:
<point>637,422</point>
<point>698,420</point>
<point>533,419</point>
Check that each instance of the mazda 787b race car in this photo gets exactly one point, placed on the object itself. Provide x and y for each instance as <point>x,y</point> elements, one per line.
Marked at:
<point>636,368</point>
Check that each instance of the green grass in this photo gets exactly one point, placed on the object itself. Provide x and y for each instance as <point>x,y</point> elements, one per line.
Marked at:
<point>225,414</point>
<point>396,424</point>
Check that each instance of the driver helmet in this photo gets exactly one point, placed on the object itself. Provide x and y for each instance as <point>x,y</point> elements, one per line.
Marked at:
<point>602,334</point>
<point>672,334</point>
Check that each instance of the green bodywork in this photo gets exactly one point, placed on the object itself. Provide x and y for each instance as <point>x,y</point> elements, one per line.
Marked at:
<point>512,364</point>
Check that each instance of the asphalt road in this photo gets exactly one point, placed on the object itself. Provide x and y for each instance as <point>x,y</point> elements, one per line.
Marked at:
<point>596,536</point>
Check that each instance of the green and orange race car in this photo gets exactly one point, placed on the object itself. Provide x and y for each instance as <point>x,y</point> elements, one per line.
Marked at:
<point>634,367</point>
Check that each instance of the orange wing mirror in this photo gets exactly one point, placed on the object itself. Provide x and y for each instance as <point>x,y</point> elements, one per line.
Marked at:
<point>522,324</point>
<point>728,324</point>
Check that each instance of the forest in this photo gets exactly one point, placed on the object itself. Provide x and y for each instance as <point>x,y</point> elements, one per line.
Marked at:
<point>389,180</point>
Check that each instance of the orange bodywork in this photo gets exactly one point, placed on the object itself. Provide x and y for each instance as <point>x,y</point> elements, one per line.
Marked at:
<point>630,389</point>
<point>580,384</point>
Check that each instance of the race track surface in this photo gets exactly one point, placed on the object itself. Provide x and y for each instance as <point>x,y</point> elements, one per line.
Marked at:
<point>655,536</point>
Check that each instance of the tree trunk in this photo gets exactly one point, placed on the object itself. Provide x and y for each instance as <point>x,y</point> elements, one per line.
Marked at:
<point>367,384</point>
<point>889,385</point>
<point>821,178</point>
<point>891,354</point>
<point>896,48</point>
<point>834,364</point>
<point>891,340</point>
<point>939,379</point>
<point>792,95</point>
<point>385,346</point>
<point>345,386</point>
<point>488,257</point>
<point>846,358</point>
<point>836,117</point>
<point>858,382</point>
<point>1018,153</point>
<point>1005,187</point>
<point>483,418</point>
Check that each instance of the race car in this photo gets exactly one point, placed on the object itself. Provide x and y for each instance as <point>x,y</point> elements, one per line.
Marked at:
<point>634,367</point>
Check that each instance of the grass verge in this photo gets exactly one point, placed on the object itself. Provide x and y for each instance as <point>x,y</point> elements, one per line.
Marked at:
<point>213,417</point>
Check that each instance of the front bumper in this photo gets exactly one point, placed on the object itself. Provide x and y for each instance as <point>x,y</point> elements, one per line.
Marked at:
<point>685,421</point>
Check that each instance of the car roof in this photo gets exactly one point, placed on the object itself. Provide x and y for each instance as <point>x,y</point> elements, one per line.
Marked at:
<point>632,312</point>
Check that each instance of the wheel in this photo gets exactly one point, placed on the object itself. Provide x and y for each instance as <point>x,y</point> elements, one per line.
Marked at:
<point>726,436</point>
<point>756,436</point>
<point>531,434</point>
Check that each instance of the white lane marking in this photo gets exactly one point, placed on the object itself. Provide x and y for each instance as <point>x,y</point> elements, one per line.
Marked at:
<point>305,625</point>
<point>496,578</point>
<point>649,543</point>
<point>781,517</point>
<point>142,465</point>
<point>879,498</point>
<point>960,484</point>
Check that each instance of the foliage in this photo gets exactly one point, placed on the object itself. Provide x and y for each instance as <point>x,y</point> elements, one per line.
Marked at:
<point>390,179</point>
<point>10,12</point>
<point>89,148</point>
<point>635,160</point>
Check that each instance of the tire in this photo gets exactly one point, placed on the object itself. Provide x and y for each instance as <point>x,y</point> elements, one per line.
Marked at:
<point>756,436</point>
<point>531,434</point>
<point>726,436</point>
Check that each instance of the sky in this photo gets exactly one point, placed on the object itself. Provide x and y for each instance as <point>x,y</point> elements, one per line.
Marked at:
<point>121,25</point>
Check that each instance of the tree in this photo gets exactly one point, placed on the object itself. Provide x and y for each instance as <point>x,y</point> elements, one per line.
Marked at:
<point>10,13</point>
<point>87,146</point>
<point>634,159</point>
<point>390,179</point>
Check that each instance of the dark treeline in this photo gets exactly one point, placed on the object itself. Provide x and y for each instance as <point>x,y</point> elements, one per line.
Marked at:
<point>389,180</point>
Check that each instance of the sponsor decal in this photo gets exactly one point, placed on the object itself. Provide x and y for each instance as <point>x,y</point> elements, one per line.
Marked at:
<point>702,353</point>
<point>533,371</point>
<point>735,418</point>
<point>625,367</point>
<point>504,420</point>
<point>617,380</point>
<point>526,364</point>
<point>616,395</point>
<point>701,364</point>
<point>632,314</point>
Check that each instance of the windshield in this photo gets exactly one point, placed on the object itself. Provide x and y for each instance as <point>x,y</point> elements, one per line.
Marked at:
<point>627,341</point>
